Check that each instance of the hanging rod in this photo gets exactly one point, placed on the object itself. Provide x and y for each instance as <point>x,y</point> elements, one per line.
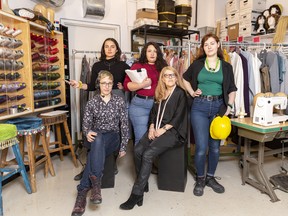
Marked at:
<point>224,43</point>
<point>74,51</point>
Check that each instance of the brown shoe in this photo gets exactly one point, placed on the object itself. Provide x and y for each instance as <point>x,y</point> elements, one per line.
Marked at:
<point>95,196</point>
<point>80,204</point>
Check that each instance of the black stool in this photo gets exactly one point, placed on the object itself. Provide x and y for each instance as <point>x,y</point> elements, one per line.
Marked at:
<point>172,169</point>
<point>108,178</point>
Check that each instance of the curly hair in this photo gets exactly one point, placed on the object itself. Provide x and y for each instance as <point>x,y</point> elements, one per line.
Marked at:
<point>160,62</point>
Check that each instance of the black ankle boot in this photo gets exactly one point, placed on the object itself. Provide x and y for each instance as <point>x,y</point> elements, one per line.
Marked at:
<point>199,186</point>
<point>132,201</point>
<point>211,182</point>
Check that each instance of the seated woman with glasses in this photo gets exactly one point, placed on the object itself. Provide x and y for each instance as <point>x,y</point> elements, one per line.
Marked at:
<point>105,125</point>
<point>167,128</point>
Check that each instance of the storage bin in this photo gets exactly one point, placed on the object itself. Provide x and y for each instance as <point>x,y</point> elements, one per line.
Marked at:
<point>183,18</point>
<point>166,6</point>
<point>181,26</point>
<point>167,24</point>
<point>183,9</point>
<point>232,6</point>
<point>254,5</point>
<point>233,18</point>
<point>167,16</point>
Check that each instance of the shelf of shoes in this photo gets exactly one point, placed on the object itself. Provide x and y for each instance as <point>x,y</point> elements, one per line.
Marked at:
<point>47,68</point>
<point>31,67</point>
<point>15,66</point>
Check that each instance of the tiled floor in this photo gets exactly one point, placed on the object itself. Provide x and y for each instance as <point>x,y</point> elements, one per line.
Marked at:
<point>55,196</point>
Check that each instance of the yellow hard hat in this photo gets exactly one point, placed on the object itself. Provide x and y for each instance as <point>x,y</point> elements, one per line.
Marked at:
<point>220,127</point>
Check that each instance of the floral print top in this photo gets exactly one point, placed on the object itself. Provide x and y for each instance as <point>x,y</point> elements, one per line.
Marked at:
<point>111,116</point>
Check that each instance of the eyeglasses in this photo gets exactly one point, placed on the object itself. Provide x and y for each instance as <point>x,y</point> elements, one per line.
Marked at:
<point>169,75</point>
<point>109,84</point>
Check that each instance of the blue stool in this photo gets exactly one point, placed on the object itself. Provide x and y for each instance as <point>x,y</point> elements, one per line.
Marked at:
<point>8,138</point>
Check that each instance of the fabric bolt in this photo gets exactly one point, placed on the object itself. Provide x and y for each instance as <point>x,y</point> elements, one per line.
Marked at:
<point>25,123</point>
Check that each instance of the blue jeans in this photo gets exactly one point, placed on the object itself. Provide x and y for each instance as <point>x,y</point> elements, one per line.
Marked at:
<point>139,111</point>
<point>105,143</point>
<point>202,114</point>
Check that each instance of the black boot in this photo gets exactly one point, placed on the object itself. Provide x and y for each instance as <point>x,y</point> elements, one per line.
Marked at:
<point>78,177</point>
<point>132,201</point>
<point>199,186</point>
<point>80,204</point>
<point>211,182</point>
<point>95,196</point>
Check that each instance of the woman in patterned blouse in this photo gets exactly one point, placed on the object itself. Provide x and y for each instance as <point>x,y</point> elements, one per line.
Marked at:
<point>105,126</point>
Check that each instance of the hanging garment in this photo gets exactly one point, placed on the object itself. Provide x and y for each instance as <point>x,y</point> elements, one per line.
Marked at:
<point>236,63</point>
<point>85,70</point>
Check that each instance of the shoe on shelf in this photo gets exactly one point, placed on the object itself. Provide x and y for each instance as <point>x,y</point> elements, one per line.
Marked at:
<point>211,182</point>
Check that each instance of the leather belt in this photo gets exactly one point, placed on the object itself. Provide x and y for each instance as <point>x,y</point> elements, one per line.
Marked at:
<point>144,97</point>
<point>211,97</point>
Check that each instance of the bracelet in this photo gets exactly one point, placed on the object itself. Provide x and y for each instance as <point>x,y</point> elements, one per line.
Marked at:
<point>230,105</point>
<point>80,84</point>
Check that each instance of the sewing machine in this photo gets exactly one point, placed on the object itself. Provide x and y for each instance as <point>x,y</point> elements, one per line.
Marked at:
<point>264,110</point>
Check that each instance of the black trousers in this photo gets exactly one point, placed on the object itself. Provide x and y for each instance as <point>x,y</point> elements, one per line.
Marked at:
<point>146,151</point>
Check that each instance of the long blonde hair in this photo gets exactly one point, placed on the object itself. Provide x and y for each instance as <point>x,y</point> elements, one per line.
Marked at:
<point>161,87</point>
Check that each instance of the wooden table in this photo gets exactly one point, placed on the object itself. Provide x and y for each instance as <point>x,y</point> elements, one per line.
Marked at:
<point>262,134</point>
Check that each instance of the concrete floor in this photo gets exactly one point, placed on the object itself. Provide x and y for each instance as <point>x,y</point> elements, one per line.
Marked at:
<point>55,196</point>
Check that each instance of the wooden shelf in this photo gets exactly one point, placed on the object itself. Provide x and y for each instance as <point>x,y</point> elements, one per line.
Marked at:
<point>26,73</point>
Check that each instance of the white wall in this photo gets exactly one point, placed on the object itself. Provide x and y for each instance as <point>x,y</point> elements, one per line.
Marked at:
<point>123,13</point>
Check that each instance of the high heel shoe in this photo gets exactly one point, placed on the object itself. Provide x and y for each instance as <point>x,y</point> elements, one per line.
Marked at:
<point>132,201</point>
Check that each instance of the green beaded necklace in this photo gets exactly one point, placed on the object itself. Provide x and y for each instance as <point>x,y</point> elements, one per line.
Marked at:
<point>212,69</point>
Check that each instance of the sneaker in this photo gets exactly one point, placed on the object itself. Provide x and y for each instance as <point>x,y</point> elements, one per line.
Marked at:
<point>199,186</point>
<point>211,182</point>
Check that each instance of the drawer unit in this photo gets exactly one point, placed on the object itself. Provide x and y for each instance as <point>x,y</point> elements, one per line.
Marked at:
<point>233,18</point>
<point>255,5</point>
<point>232,6</point>
<point>246,30</point>
<point>246,17</point>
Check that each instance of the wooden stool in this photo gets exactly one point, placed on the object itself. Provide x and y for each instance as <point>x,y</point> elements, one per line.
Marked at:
<point>36,154</point>
<point>58,120</point>
<point>10,131</point>
<point>172,169</point>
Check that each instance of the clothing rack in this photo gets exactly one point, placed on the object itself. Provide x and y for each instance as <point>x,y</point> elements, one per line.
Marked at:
<point>74,51</point>
<point>75,127</point>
